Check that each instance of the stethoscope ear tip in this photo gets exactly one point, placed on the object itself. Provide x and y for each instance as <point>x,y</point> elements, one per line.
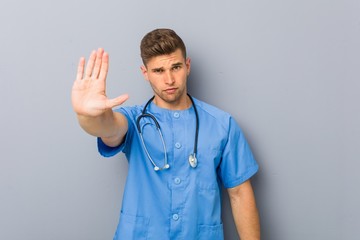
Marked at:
<point>166,166</point>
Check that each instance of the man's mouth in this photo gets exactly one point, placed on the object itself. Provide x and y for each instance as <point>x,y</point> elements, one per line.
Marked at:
<point>170,90</point>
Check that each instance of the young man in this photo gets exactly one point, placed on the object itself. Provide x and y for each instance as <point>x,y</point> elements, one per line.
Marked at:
<point>179,149</point>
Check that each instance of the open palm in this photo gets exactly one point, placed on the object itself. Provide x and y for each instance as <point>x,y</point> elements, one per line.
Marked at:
<point>88,92</point>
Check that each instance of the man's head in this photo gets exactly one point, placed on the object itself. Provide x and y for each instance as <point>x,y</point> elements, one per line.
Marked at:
<point>160,42</point>
<point>166,68</point>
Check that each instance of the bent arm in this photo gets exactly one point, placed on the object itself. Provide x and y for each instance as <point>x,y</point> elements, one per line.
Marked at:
<point>244,211</point>
<point>91,104</point>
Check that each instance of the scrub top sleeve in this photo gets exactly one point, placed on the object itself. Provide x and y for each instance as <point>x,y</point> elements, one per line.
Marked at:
<point>107,151</point>
<point>238,163</point>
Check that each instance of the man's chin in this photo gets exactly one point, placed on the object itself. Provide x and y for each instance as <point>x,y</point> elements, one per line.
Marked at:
<point>171,99</point>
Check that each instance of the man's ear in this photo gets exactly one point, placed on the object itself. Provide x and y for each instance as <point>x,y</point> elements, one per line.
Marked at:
<point>188,65</point>
<point>144,72</point>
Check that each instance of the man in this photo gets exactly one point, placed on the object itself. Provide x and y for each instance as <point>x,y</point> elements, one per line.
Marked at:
<point>179,149</point>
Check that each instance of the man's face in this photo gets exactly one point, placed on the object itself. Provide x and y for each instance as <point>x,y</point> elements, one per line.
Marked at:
<point>167,75</point>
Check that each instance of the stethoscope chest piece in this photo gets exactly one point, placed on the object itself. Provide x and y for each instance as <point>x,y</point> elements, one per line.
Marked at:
<point>193,160</point>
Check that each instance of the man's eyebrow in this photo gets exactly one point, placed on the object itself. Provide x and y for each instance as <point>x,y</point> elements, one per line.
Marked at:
<point>157,69</point>
<point>177,64</point>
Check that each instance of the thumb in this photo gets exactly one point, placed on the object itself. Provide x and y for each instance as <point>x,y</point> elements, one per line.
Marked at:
<point>110,103</point>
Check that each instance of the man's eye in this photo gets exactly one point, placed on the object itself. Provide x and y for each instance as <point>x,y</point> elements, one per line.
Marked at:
<point>158,70</point>
<point>176,68</point>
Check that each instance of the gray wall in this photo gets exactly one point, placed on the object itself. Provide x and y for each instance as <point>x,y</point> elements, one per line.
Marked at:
<point>287,70</point>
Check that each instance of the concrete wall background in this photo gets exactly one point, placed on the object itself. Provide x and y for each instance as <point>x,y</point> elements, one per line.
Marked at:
<point>288,71</point>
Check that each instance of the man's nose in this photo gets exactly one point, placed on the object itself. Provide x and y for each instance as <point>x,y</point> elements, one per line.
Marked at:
<point>169,78</point>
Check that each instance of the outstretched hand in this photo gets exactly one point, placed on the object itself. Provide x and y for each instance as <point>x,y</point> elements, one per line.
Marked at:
<point>89,90</point>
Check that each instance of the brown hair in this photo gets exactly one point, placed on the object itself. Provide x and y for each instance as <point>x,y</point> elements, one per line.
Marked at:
<point>160,42</point>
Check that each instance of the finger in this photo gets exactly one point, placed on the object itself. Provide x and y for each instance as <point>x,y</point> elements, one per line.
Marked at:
<point>110,103</point>
<point>99,55</point>
<point>90,65</point>
<point>104,66</point>
<point>80,69</point>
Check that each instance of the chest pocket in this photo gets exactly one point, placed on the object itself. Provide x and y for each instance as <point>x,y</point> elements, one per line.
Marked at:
<point>209,160</point>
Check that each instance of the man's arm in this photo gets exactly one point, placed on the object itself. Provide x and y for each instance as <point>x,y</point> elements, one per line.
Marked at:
<point>244,211</point>
<point>92,106</point>
<point>111,127</point>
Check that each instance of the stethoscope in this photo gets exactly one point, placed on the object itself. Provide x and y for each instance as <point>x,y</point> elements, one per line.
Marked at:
<point>192,157</point>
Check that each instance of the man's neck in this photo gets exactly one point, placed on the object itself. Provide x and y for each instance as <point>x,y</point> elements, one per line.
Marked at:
<point>181,104</point>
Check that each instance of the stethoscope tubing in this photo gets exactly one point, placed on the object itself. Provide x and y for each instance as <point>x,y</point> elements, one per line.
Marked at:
<point>192,157</point>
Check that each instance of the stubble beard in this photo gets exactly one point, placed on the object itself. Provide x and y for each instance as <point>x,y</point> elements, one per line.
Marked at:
<point>170,98</point>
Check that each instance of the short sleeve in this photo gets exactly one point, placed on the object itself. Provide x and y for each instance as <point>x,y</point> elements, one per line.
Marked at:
<point>107,151</point>
<point>237,164</point>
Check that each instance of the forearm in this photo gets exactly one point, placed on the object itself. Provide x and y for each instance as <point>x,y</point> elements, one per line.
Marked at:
<point>247,221</point>
<point>245,212</point>
<point>111,127</point>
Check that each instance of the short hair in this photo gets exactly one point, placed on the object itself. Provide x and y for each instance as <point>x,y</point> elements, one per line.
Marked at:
<point>160,42</point>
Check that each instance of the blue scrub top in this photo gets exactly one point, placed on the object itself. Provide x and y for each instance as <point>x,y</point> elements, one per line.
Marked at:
<point>181,202</point>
